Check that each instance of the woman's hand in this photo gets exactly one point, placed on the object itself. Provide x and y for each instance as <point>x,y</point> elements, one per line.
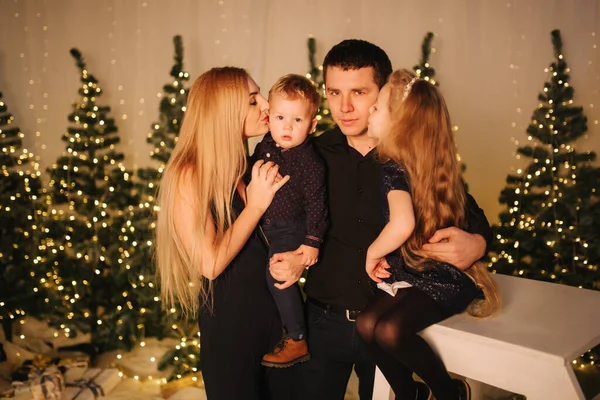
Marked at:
<point>263,185</point>
<point>377,268</point>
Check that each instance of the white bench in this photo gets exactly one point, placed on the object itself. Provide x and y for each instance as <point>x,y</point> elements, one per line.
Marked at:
<point>528,348</point>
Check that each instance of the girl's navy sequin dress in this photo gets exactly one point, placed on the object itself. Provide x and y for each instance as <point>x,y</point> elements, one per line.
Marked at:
<point>450,287</point>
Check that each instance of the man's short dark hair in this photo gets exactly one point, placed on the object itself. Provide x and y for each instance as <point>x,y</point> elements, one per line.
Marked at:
<point>356,54</point>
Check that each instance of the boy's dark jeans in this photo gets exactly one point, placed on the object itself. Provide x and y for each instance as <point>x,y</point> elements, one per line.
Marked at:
<point>286,236</point>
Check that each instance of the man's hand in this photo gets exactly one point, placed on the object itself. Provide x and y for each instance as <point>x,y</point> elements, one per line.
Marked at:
<point>287,268</point>
<point>310,255</point>
<point>455,246</point>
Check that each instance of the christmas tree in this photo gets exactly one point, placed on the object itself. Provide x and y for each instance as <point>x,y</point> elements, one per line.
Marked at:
<point>185,356</point>
<point>324,119</point>
<point>142,219</point>
<point>423,69</point>
<point>165,132</point>
<point>20,212</point>
<point>155,321</point>
<point>85,242</point>
<point>551,228</point>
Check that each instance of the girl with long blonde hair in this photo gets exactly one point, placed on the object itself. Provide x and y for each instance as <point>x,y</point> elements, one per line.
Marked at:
<point>424,193</point>
<point>210,259</point>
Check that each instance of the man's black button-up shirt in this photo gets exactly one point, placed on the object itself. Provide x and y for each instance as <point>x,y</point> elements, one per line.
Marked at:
<point>355,220</point>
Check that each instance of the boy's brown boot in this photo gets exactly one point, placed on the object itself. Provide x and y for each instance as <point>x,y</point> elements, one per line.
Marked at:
<point>287,353</point>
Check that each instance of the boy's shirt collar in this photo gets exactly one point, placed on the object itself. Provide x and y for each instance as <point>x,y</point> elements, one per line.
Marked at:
<point>268,139</point>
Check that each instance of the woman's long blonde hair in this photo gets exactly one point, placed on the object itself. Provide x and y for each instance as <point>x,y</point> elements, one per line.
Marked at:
<point>210,156</point>
<point>420,139</point>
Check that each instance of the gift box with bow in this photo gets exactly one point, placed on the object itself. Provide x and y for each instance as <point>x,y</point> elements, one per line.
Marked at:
<point>71,364</point>
<point>95,383</point>
<point>35,367</point>
<point>43,384</point>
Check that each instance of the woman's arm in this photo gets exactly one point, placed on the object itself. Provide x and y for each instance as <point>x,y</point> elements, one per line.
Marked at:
<point>215,258</point>
<point>398,229</point>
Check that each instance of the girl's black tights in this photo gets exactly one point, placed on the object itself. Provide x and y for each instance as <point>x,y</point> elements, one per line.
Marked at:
<point>389,326</point>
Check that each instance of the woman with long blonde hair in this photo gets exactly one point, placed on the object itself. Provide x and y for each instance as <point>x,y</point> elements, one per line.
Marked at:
<point>210,258</point>
<point>423,192</point>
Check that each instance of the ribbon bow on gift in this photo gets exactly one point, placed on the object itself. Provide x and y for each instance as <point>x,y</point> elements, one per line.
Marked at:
<point>52,385</point>
<point>41,361</point>
<point>84,384</point>
<point>35,367</point>
<point>45,384</point>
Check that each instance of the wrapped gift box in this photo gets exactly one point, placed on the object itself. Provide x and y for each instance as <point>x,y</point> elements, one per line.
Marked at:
<point>46,384</point>
<point>72,364</point>
<point>95,383</point>
<point>35,367</point>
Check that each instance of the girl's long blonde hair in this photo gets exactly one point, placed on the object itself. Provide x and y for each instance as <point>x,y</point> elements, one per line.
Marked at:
<point>210,159</point>
<point>420,139</point>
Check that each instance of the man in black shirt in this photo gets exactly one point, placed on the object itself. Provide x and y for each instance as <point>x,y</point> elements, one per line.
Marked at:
<point>338,287</point>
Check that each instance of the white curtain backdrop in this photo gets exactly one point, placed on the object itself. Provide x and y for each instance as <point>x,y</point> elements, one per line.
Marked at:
<point>489,57</point>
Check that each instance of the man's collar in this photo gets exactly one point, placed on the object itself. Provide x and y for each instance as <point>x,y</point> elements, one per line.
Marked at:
<point>332,137</point>
<point>335,137</point>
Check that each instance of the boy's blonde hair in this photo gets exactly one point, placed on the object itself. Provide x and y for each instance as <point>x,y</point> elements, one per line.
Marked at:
<point>294,87</point>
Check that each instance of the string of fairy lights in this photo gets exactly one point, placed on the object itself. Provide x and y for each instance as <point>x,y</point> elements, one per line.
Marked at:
<point>163,138</point>
<point>588,359</point>
<point>90,89</point>
<point>425,71</point>
<point>26,164</point>
<point>17,161</point>
<point>73,296</point>
<point>515,208</point>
